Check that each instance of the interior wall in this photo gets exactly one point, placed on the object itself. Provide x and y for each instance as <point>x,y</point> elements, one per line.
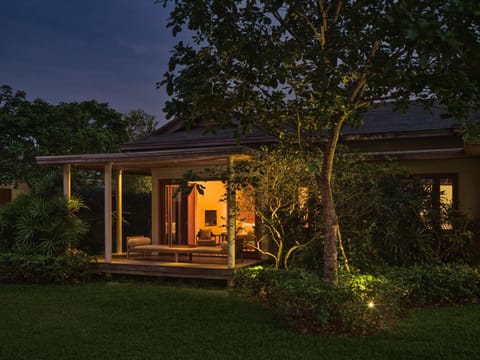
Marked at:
<point>211,200</point>
<point>163,174</point>
<point>214,192</point>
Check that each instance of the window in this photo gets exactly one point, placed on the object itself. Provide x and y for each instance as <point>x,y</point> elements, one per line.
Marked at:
<point>443,193</point>
<point>210,217</point>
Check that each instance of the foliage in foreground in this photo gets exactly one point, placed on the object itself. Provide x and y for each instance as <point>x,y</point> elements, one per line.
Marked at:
<point>437,285</point>
<point>42,221</point>
<point>389,218</point>
<point>71,268</point>
<point>282,183</point>
<point>359,304</point>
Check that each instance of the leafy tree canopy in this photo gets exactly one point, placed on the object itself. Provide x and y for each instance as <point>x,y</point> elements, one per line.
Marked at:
<point>139,124</point>
<point>34,128</point>
<point>301,68</point>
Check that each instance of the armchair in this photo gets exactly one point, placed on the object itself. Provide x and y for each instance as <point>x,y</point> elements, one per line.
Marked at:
<point>205,237</point>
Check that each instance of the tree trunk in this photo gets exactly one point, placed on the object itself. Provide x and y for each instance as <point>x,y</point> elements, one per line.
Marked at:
<point>330,221</point>
<point>330,230</point>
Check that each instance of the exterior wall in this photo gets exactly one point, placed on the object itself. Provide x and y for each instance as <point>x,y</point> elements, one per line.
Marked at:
<point>468,172</point>
<point>20,189</point>
<point>16,190</point>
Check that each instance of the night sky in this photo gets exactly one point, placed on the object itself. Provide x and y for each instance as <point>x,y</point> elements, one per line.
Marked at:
<point>112,51</point>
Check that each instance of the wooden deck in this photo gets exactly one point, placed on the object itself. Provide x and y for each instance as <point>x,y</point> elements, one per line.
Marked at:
<point>201,266</point>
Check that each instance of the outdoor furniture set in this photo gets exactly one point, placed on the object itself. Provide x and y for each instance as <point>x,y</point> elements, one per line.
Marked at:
<point>206,244</point>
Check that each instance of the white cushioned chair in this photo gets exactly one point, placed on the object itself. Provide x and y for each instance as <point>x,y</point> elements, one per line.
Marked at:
<point>205,237</point>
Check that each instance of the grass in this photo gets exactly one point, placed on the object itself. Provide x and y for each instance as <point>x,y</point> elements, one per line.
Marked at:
<point>132,320</point>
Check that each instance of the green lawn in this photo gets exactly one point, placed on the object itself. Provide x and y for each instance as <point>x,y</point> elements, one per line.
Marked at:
<point>126,320</point>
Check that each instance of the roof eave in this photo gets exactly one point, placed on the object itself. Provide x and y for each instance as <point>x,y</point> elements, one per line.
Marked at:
<point>143,162</point>
<point>424,154</point>
<point>206,143</point>
<point>418,134</point>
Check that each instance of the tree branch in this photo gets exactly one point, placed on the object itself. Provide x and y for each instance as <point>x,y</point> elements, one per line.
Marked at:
<point>323,27</point>
<point>319,35</point>
<point>338,9</point>
<point>323,17</point>
<point>296,247</point>
<point>362,82</point>
<point>329,153</point>
<point>288,28</point>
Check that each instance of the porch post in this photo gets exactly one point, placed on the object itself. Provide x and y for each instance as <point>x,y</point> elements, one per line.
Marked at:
<point>155,210</point>
<point>231,214</point>
<point>108,212</point>
<point>67,181</point>
<point>119,249</point>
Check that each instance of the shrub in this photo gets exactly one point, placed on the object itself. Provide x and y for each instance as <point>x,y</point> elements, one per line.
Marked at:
<point>431,285</point>
<point>304,301</point>
<point>41,221</point>
<point>247,281</point>
<point>9,214</point>
<point>388,218</point>
<point>362,304</point>
<point>286,187</point>
<point>296,296</point>
<point>48,226</point>
<point>20,268</point>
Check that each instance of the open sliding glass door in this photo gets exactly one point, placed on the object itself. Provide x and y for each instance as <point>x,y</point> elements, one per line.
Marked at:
<point>176,218</point>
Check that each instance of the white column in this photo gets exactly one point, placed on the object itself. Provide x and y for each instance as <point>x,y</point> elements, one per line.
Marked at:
<point>119,249</point>
<point>155,210</point>
<point>231,214</point>
<point>108,212</point>
<point>67,181</point>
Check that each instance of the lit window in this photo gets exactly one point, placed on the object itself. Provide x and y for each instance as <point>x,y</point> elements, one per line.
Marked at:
<point>442,189</point>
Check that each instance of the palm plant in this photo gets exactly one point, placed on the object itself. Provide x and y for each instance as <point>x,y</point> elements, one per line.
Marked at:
<point>42,221</point>
<point>49,226</point>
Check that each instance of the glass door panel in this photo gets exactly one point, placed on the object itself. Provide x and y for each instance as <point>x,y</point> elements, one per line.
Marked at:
<point>173,215</point>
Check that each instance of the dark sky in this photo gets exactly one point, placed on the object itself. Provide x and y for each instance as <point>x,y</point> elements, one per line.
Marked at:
<point>112,51</point>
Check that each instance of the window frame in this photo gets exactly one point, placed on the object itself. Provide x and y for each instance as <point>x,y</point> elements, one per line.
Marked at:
<point>436,194</point>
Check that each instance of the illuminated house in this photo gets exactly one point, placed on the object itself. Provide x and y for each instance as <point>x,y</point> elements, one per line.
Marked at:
<point>419,139</point>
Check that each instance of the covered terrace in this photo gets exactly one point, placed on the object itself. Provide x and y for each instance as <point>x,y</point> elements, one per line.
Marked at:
<point>173,163</point>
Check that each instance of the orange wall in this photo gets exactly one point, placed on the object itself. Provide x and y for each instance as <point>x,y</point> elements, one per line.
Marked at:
<point>211,200</point>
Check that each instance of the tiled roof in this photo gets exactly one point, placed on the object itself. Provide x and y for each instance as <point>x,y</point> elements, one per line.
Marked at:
<point>380,121</point>
<point>195,137</point>
<point>385,120</point>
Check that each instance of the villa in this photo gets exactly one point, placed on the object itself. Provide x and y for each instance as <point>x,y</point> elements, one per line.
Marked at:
<point>419,139</point>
